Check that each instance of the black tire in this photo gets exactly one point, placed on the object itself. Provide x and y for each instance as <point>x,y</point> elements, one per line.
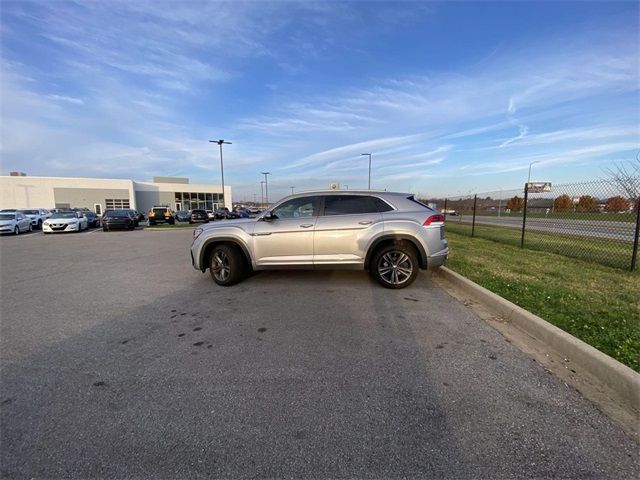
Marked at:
<point>227,265</point>
<point>171,221</point>
<point>39,224</point>
<point>151,223</point>
<point>16,231</point>
<point>395,266</point>
<point>30,227</point>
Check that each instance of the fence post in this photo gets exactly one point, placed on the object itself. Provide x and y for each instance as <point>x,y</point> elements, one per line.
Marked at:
<point>444,212</point>
<point>473,223</point>
<point>524,213</point>
<point>635,239</point>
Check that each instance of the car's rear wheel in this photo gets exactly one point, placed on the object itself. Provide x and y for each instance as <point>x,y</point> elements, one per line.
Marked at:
<point>30,227</point>
<point>395,266</point>
<point>227,265</point>
<point>39,224</point>
<point>16,231</point>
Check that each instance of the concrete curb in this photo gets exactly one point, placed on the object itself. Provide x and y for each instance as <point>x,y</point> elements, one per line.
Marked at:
<point>622,381</point>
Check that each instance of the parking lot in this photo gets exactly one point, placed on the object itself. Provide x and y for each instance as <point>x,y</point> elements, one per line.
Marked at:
<point>118,359</point>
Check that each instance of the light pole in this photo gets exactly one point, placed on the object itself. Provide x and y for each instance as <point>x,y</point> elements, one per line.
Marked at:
<point>529,177</point>
<point>266,187</point>
<point>262,193</point>
<point>221,142</point>
<point>292,190</point>
<point>346,186</point>
<point>369,168</point>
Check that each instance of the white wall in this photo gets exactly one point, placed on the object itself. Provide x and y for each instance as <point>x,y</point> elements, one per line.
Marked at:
<point>37,192</point>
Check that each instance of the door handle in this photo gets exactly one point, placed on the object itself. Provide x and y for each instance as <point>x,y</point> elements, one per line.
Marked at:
<point>306,225</point>
<point>365,222</point>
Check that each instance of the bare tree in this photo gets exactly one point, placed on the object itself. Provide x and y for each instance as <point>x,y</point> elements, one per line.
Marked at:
<point>626,175</point>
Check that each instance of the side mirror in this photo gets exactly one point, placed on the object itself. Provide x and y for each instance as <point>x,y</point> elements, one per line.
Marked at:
<point>269,216</point>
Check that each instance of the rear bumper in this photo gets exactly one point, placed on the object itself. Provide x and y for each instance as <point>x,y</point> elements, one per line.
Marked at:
<point>437,259</point>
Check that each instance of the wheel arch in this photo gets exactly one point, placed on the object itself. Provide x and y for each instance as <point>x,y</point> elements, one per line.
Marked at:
<point>210,244</point>
<point>392,238</point>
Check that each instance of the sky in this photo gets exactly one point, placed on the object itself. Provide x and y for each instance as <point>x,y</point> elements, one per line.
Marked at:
<point>449,98</point>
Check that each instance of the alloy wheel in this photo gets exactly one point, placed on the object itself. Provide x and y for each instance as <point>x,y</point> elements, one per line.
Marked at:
<point>221,266</point>
<point>395,267</point>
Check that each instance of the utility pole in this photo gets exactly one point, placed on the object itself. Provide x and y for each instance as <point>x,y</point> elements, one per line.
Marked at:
<point>292,190</point>
<point>221,142</point>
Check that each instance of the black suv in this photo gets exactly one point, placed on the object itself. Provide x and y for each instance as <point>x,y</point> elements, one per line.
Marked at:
<point>199,216</point>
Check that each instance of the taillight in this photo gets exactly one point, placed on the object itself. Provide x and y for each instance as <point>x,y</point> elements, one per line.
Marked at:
<point>433,219</point>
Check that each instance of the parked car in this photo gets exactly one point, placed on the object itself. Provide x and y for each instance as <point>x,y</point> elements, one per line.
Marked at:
<point>183,216</point>
<point>93,220</point>
<point>241,213</point>
<point>199,216</point>
<point>211,215</point>
<point>390,234</point>
<point>65,221</point>
<point>160,214</point>
<point>15,222</point>
<point>118,219</point>
<point>141,217</point>
<point>134,214</point>
<point>37,216</point>
<point>221,213</point>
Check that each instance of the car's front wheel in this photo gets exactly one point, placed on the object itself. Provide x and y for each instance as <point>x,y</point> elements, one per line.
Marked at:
<point>227,265</point>
<point>16,231</point>
<point>395,266</point>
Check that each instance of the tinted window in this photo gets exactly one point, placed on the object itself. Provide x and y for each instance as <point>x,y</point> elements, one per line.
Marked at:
<point>117,213</point>
<point>31,212</point>
<point>297,207</point>
<point>381,205</point>
<point>349,205</point>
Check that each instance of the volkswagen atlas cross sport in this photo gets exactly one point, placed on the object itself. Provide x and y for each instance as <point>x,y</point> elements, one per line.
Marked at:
<point>392,235</point>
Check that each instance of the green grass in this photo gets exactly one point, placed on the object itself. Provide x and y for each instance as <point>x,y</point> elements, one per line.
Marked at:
<point>606,252</point>
<point>597,304</point>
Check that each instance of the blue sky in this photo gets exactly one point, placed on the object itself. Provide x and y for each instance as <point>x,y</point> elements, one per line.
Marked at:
<point>449,98</point>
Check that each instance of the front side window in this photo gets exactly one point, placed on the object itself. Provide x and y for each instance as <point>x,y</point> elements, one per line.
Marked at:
<point>349,205</point>
<point>297,207</point>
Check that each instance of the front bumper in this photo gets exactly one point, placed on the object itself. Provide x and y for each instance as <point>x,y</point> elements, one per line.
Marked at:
<point>59,228</point>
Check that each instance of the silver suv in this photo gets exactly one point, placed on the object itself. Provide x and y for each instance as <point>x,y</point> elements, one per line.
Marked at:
<point>390,234</point>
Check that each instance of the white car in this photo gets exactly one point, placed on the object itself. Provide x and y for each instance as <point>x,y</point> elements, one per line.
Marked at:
<point>65,222</point>
<point>37,216</point>
<point>15,223</point>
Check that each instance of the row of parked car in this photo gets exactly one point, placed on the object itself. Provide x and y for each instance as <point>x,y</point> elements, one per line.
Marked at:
<point>17,221</point>
<point>163,214</point>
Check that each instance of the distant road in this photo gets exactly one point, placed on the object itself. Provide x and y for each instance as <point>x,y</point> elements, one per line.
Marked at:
<point>610,230</point>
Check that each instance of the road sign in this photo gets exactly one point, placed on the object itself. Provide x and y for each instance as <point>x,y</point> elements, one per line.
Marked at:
<point>334,186</point>
<point>538,187</point>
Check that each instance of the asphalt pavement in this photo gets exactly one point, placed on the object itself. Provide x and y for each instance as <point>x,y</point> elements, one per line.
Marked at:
<point>119,360</point>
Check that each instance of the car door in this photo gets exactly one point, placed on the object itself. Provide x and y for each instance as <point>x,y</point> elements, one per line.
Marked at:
<point>287,237</point>
<point>344,228</point>
<point>23,222</point>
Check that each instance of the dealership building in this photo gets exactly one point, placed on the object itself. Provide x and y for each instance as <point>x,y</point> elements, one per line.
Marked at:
<point>100,194</point>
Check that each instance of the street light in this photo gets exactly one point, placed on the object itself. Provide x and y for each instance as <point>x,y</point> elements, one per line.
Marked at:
<point>266,187</point>
<point>369,168</point>
<point>292,190</point>
<point>346,186</point>
<point>262,193</point>
<point>220,142</point>
<point>529,177</point>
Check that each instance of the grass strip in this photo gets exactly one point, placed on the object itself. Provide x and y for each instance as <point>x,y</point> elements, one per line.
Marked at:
<point>175,225</point>
<point>595,303</point>
<point>606,252</point>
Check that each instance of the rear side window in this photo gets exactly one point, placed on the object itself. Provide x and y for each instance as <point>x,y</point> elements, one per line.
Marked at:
<point>381,205</point>
<point>349,205</point>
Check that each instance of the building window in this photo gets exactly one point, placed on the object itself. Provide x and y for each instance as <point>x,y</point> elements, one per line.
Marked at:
<point>116,203</point>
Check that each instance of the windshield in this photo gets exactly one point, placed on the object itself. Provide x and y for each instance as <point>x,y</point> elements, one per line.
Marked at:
<point>31,212</point>
<point>117,213</point>
<point>64,215</point>
<point>7,216</point>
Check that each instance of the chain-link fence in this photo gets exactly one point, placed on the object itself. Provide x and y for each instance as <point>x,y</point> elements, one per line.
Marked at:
<point>596,221</point>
